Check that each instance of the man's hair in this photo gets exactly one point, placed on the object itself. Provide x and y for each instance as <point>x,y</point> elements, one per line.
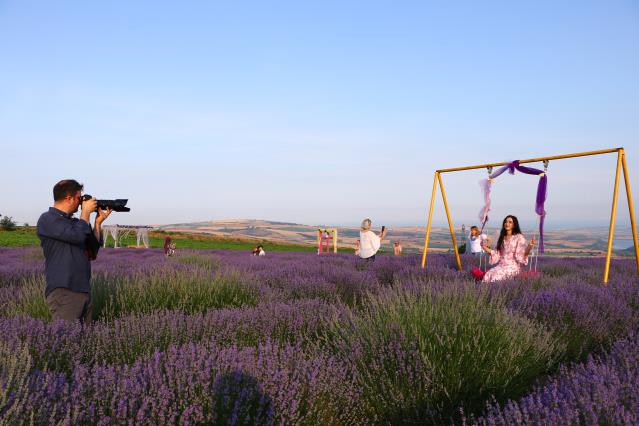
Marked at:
<point>474,227</point>
<point>66,187</point>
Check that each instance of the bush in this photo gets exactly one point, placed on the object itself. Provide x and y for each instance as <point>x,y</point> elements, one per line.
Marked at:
<point>602,391</point>
<point>113,296</point>
<point>418,355</point>
<point>585,317</point>
<point>7,223</point>
<point>190,291</point>
<point>28,299</point>
<point>190,384</point>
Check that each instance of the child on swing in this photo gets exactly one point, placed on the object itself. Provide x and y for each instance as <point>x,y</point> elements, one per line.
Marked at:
<point>475,242</point>
<point>511,252</point>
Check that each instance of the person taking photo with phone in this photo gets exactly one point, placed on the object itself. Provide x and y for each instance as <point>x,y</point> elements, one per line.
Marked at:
<point>369,241</point>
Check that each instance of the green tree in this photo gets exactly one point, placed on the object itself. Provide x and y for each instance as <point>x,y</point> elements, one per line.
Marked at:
<point>7,223</point>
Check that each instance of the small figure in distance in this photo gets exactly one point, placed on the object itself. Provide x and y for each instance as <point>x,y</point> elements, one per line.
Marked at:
<point>369,241</point>
<point>169,247</point>
<point>261,251</point>
<point>397,248</point>
<point>511,252</point>
<point>256,251</point>
<point>357,247</point>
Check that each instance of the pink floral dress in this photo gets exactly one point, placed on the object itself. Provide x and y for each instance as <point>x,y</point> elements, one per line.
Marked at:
<point>509,261</point>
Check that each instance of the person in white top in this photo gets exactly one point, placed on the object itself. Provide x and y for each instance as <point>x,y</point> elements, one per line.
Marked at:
<point>369,241</point>
<point>261,251</point>
<point>475,241</point>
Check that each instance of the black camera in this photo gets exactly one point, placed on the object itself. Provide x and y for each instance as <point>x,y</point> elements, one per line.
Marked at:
<point>115,205</point>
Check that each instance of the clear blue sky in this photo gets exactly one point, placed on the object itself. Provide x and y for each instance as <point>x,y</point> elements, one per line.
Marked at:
<point>315,112</point>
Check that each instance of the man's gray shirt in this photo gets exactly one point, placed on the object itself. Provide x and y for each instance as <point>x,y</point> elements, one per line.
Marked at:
<point>68,244</point>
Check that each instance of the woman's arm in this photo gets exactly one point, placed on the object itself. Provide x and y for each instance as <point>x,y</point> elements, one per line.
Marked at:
<point>495,255</point>
<point>522,250</point>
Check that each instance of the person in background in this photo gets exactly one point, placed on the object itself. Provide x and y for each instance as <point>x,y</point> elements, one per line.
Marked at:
<point>167,246</point>
<point>357,247</point>
<point>255,251</point>
<point>261,251</point>
<point>69,245</point>
<point>397,248</point>
<point>511,252</point>
<point>369,241</point>
<point>475,241</point>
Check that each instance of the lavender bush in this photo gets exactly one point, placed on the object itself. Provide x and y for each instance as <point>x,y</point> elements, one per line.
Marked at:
<point>294,338</point>
<point>420,354</point>
<point>60,345</point>
<point>190,384</point>
<point>603,390</point>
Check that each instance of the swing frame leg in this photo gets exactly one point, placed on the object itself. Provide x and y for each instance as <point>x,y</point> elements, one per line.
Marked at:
<point>631,210</point>
<point>613,215</point>
<point>450,222</point>
<point>438,179</point>
<point>430,220</point>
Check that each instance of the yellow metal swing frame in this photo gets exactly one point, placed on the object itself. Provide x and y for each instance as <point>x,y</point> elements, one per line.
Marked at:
<point>621,165</point>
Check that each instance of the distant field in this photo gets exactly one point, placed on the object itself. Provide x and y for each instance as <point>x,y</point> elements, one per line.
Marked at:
<point>24,237</point>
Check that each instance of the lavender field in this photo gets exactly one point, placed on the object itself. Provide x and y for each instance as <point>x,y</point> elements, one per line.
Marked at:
<point>221,337</point>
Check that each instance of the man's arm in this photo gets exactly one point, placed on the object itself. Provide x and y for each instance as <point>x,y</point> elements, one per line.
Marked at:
<point>62,229</point>
<point>94,242</point>
<point>97,230</point>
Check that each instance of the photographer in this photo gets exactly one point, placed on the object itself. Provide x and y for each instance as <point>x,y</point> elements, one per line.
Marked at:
<point>69,244</point>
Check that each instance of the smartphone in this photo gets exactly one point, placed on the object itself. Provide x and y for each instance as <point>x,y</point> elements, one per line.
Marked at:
<point>383,227</point>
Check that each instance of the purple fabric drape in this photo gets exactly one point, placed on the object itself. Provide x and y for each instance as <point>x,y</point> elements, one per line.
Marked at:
<point>539,201</point>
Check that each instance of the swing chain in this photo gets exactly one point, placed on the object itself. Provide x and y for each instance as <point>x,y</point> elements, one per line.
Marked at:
<point>546,162</point>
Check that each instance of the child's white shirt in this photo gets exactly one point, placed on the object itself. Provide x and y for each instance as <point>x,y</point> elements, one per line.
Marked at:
<point>474,243</point>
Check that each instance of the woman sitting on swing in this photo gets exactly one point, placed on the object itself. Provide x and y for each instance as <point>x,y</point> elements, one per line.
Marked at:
<point>511,252</point>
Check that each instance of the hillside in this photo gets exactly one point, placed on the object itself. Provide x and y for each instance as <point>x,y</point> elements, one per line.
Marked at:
<point>584,242</point>
<point>243,234</point>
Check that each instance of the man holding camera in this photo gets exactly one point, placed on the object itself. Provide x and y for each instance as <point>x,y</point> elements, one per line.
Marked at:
<point>69,245</point>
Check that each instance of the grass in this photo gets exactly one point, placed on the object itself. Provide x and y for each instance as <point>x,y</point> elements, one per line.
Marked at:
<point>19,237</point>
<point>26,236</point>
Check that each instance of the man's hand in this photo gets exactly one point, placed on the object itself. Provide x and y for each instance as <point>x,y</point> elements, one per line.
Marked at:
<point>99,218</point>
<point>88,207</point>
<point>102,215</point>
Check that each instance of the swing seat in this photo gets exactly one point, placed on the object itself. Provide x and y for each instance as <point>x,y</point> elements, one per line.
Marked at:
<point>529,274</point>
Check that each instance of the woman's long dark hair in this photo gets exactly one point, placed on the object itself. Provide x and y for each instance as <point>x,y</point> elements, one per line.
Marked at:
<point>502,234</point>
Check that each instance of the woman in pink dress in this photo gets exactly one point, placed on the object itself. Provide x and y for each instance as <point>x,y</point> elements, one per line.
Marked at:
<point>511,252</point>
